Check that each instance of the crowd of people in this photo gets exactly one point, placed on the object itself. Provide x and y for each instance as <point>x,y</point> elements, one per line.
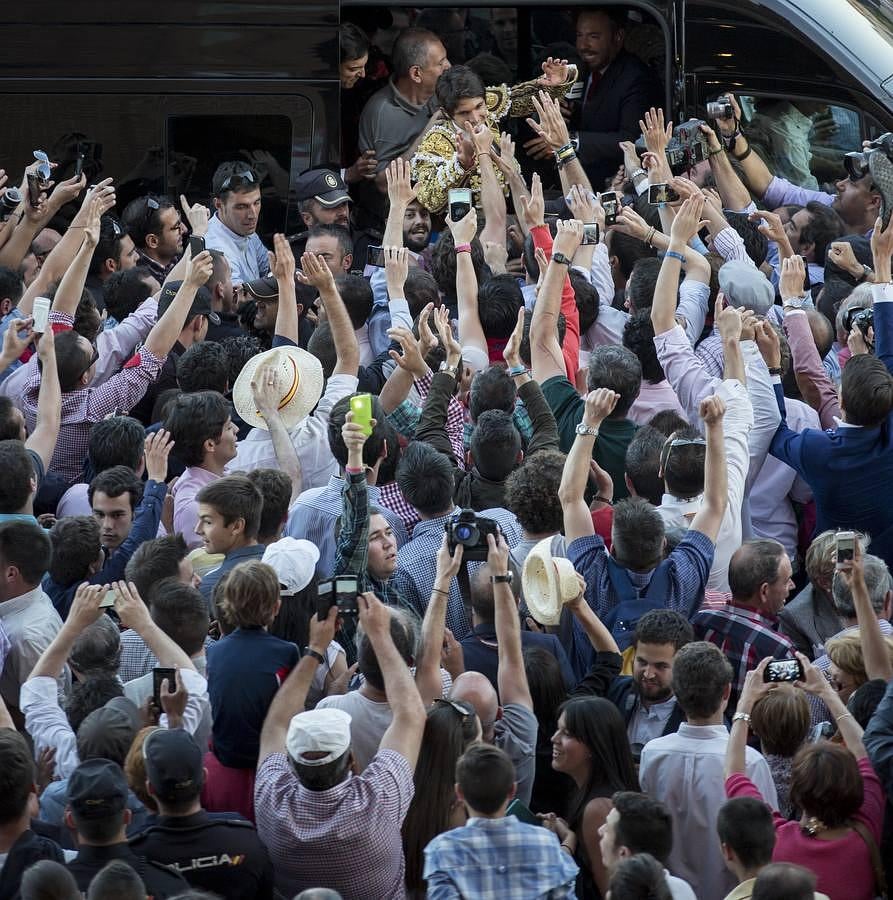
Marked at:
<point>520,529</point>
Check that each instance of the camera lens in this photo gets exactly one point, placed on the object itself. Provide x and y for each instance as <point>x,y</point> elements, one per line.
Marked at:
<point>464,532</point>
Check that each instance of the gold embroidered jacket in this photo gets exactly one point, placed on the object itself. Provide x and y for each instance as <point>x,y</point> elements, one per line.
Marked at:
<point>435,164</point>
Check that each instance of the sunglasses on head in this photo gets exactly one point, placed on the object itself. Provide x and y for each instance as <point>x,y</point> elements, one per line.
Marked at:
<point>460,706</point>
<point>152,206</point>
<point>672,442</point>
<point>237,178</point>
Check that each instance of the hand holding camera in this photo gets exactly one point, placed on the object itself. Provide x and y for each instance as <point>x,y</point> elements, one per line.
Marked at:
<point>449,561</point>
<point>470,531</point>
<point>497,554</point>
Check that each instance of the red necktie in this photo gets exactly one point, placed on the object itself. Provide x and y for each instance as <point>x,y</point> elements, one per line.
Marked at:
<point>594,79</point>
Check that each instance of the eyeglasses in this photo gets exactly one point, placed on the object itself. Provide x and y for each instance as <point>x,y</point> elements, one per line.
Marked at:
<point>229,181</point>
<point>44,168</point>
<point>465,710</point>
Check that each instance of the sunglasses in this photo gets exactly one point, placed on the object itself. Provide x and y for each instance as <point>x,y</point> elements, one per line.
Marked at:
<point>678,442</point>
<point>44,168</point>
<point>93,360</point>
<point>238,178</point>
<point>464,709</point>
<point>152,206</point>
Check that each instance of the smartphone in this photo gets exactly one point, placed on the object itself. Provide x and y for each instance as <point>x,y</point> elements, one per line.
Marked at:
<point>41,313</point>
<point>325,599</point>
<point>375,256</point>
<point>659,194</point>
<point>807,281</point>
<point>79,166</point>
<point>609,205</point>
<point>460,203</point>
<point>108,601</point>
<point>783,670</point>
<point>522,813</point>
<point>346,592</point>
<point>196,245</point>
<point>159,675</point>
<point>846,546</point>
<point>361,407</point>
<point>590,233</point>
<point>35,187</point>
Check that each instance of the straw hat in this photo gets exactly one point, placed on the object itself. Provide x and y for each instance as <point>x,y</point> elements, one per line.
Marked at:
<point>548,583</point>
<point>302,382</point>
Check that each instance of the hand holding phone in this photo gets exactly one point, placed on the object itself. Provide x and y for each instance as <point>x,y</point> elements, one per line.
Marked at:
<point>609,204</point>
<point>783,670</point>
<point>846,547</point>
<point>361,407</point>
<point>460,203</point>
<point>590,233</point>
<point>661,194</point>
<point>160,675</point>
<point>196,245</point>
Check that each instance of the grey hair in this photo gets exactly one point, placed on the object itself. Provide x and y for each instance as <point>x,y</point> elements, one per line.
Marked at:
<point>877,580</point>
<point>618,369</point>
<point>860,297</point>
<point>411,625</point>
<point>97,648</point>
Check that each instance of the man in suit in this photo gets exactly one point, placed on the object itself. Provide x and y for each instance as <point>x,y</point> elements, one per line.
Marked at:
<point>645,699</point>
<point>616,93</point>
<point>480,648</point>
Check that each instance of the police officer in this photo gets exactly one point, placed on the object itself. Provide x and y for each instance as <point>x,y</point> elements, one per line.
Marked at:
<point>216,853</point>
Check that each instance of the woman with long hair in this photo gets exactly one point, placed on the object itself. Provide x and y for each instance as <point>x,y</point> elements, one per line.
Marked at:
<point>452,726</point>
<point>591,745</point>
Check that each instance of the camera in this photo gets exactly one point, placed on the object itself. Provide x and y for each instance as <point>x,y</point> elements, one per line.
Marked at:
<point>876,159</point>
<point>470,531</point>
<point>846,546</point>
<point>9,200</point>
<point>720,109</point>
<point>863,319</point>
<point>686,148</point>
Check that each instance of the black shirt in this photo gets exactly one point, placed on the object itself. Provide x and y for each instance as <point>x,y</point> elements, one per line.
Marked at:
<point>159,881</point>
<point>220,855</point>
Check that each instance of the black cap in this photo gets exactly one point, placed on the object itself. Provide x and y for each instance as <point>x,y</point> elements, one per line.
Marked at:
<point>97,789</point>
<point>173,764</point>
<point>323,185</point>
<point>201,303</point>
<point>266,288</point>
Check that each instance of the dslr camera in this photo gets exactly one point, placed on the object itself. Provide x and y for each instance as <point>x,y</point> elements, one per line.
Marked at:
<point>470,531</point>
<point>863,319</point>
<point>876,159</point>
<point>686,148</point>
<point>9,200</point>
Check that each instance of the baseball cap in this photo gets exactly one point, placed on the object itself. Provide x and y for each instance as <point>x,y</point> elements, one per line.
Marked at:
<point>109,731</point>
<point>266,288</point>
<point>201,303</point>
<point>323,185</point>
<point>746,287</point>
<point>97,789</point>
<point>294,562</point>
<point>173,764</point>
<point>318,731</point>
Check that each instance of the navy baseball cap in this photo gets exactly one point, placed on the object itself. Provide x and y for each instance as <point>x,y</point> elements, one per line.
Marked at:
<point>97,789</point>
<point>201,304</point>
<point>323,185</point>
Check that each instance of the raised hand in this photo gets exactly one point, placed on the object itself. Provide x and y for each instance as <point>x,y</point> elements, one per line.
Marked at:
<point>656,135</point>
<point>600,403</point>
<point>412,360</point>
<point>688,219</point>
<point>585,206</point>
<point>199,270</point>
<point>791,281</point>
<point>534,205</point>
<point>14,343</point>
<point>465,229</point>
<point>555,72</point>
<point>363,167</point>
<point>282,259</point>
<point>445,331</point>
<point>727,319</point>
<point>568,238</point>
<point>197,215</point>
<point>711,410</point>
<point>315,271</point>
<point>400,190</point>
<point>511,353</point>
<point>157,450</point>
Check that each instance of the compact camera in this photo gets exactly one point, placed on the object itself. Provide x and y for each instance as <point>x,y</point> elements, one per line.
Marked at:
<point>470,531</point>
<point>686,148</point>
<point>720,109</point>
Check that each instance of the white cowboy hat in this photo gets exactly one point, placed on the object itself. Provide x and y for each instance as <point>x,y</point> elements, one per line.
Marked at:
<point>548,583</point>
<point>302,383</point>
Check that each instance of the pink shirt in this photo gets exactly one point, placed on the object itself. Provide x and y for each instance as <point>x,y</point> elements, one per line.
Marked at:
<point>652,399</point>
<point>843,867</point>
<point>193,479</point>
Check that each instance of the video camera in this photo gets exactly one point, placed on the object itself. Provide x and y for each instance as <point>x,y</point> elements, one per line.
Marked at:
<point>876,159</point>
<point>686,148</point>
<point>470,531</point>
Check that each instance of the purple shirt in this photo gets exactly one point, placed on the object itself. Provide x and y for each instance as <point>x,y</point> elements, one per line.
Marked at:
<point>652,399</point>
<point>193,479</point>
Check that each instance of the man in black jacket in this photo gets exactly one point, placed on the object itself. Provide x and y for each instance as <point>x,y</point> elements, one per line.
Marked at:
<point>18,800</point>
<point>617,91</point>
<point>646,697</point>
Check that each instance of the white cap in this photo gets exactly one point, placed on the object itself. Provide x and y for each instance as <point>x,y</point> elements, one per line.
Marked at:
<point>318,731</point>
<point>294,562</point>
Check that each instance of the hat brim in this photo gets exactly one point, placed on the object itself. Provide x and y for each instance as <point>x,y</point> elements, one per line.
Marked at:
<point>303,379</point>
<point>548,583</point>
<point>332,198</point>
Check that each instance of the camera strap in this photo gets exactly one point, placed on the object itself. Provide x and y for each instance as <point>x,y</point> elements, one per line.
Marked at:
<point>465,590</point>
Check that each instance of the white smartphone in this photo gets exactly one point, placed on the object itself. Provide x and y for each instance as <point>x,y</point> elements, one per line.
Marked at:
<point>41,313</point>
<point>846,546</point>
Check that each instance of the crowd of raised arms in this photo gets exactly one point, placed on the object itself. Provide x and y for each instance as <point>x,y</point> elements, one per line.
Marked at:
<point>520,529</point>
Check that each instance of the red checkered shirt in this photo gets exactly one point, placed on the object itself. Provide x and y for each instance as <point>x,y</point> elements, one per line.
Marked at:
<point>81,408</point>
<point>392,497</point>
<point>346,838</point>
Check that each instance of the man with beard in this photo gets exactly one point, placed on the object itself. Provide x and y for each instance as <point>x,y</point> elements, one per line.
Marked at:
<point>645,698</point>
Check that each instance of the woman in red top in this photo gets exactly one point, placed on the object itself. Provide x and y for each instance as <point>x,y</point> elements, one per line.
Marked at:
<point>835,787</point>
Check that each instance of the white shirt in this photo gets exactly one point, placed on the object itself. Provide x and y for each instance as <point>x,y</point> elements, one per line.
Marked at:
<point>309,437</point>
<point>680,890</point>
<point>646,724</point>
<point>31,622</point>
<point>685,771</point>
<point>247,254</point>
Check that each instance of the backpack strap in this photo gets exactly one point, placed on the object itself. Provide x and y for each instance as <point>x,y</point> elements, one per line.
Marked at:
<point>880,879</point>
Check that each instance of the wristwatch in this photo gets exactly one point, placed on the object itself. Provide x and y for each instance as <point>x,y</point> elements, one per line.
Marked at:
<point>636,173</point>
<point>586,429</point>
<point>317,656</point>
<point>866,271</point>
<point>561,258</point>
<point>501,579</point>
<point>450,370</point>
<point>797,302</point>
<point>742,717</point>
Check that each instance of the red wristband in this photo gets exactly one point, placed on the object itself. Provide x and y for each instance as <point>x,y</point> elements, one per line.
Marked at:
<point>352,471</point>
<point>463,248</point>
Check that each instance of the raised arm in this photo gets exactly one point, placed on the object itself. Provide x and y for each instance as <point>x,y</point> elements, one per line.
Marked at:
<point>427,673</point>
<point>291,698</point>
<point>400,194</point>
<point>471,332</point>
<point>404,734</point>
<point>68,294</point>
<point>506,162</point>
<point>267,390</point>
<point>731,189</point>
<point>133,613</point>
<point>552,128</point>
<point>49,402</point>
<point>511,676</point>
<point>315,272</point>
<point>492,196</point>
<point>881,249</point>
<point>282,265</point>
<point>716,489</point>
<point>600,404</point>
<point>756,172</point>
<point>167,329</point>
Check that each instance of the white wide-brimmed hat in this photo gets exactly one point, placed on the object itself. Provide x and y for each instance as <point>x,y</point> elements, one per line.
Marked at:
<point>548,583</point>
<point>302,384</point>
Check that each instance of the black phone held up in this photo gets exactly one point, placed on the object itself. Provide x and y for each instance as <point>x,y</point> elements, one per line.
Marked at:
<point>196,245</point>
<point>609,204</point>
<point>460,203</point>
<point>375,256</point>
<point>158,676</point>
<point>783,670</point>
<point>341,591</point>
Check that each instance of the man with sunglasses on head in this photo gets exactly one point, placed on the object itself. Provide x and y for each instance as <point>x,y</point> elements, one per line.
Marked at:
<point>115,252</point>
<point>233,227</point>
<point>157,230</point>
